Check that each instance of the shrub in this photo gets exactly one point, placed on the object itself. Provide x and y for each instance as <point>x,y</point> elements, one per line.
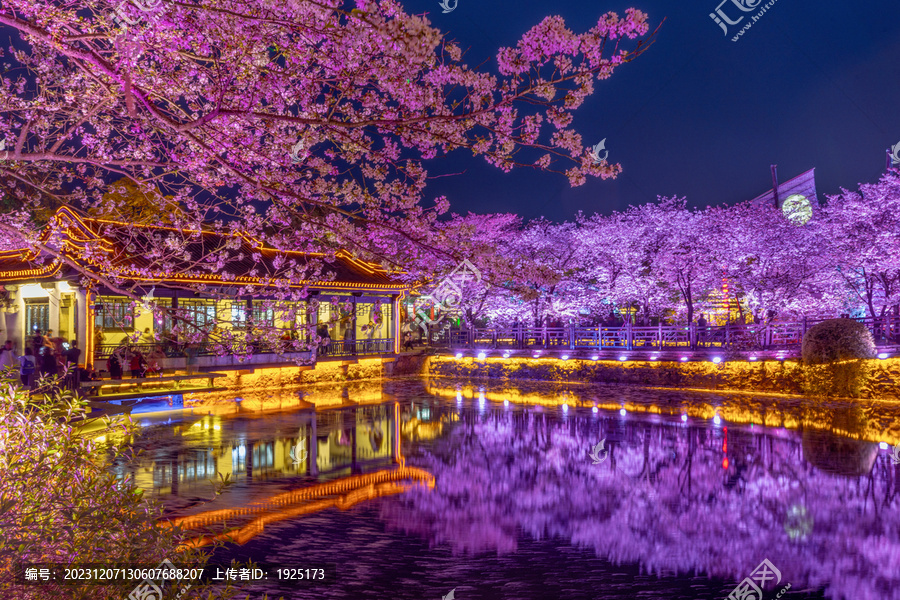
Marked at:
<point>60,502</point>
<point>837,339</point>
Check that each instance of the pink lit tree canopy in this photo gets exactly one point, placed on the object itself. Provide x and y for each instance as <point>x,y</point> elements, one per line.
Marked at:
<point>311,125</point>
<point>664,260</point>
<point>862,232</point>
<point>303,123</point>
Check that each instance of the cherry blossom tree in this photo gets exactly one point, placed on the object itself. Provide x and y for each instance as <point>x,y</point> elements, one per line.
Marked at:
<point>622,253</point>
<point>776,268</point>
<point>861,232</point>
<point>303,123</point>
<point>476,238</point>
<point>549,277</point>
<point>678,249</point>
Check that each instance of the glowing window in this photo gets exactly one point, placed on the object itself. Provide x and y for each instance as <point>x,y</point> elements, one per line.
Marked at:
<point>797,209</point>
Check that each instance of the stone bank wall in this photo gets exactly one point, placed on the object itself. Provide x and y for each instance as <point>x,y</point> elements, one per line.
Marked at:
<point>849,379</point>
<point>279,386</point>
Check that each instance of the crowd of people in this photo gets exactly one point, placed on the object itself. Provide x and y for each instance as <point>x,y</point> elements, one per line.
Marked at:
<point>44,355</point>
<point>128,357</point>
<point>48,355</point>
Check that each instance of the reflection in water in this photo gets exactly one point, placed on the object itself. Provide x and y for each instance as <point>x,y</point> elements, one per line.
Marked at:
<point>697,503</point>
<point>841,455</point>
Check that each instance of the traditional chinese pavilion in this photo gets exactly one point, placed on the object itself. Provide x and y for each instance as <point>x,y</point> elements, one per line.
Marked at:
<point>47,290</point>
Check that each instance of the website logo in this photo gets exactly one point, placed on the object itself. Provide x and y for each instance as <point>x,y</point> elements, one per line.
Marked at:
<point>595,453</point>
<point>729,13</point>
<point>595,153</point>
<point>298,452</point>
<point>751,588</point>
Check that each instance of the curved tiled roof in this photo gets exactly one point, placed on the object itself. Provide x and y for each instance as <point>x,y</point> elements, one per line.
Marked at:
<point>112,248</point>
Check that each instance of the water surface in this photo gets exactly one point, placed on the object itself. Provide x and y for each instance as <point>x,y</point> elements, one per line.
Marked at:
<point>416,487</point>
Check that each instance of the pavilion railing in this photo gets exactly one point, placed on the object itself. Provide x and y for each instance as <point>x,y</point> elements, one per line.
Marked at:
<point>333,348</point>
<point>357,347</point>
<point>735,336</point>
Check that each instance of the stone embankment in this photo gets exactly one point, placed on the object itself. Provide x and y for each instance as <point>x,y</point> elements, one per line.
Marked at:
<point>874,379</point>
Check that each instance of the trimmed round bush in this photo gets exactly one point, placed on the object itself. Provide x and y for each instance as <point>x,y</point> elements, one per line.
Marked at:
<point>837,339</point>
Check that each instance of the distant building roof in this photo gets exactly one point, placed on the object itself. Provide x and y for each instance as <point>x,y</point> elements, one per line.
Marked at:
<point>116,249</point>
<point>803,184</point>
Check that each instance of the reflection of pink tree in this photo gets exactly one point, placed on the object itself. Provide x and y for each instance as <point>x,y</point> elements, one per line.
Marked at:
<point>662,500</point>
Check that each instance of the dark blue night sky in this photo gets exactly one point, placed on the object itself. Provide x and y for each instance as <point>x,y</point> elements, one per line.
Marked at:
<point>811,84</point>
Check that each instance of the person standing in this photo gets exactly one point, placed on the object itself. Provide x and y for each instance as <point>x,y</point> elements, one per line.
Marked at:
<point>8,358</point>
<point>70,358</point>
<point>98,337</point>
<point>47,339</point>
<point>115,363</point>
<point>138,365</point>
<point>57,343</point>
<point>701,330</point>
<point>153,365</point>
<point>37,341</point>
<point>49,366</point>
<point>26,368</point>
<point>73,354</point>
<point>324,339</point>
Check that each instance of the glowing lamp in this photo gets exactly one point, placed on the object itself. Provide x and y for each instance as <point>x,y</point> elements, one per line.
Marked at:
<point>717,420</point>
<point>506,403</point>
<point>459,355</point>
<point>752,358</point>
<point>595,409</point>
<point>654,357</point>
<point>506,355</point>
<point>459,396</point>
<point>565,357</point>
<point>684,418</point>
<point>623,358</point>
<point>482,356</point>
<point>717,359</point>
<point>623,412</point>
<point>595,358</point>
<point>536,356</point>
<point>684,359</point>
<point>565,408</point>
<point>883,355</point>
<point>883,445</point>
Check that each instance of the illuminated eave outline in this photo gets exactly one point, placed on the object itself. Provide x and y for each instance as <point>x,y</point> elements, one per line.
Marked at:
<point>258,245</point>
<point>74,225</point>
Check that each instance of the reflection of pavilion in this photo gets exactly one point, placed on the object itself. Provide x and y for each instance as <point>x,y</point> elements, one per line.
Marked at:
<point>354,453</point>
<point>347,441</point>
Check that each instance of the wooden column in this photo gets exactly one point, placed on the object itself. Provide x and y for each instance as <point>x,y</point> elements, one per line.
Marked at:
<point>395,325</point>
<point>313,446</point>
<point>89,320</point>
<point>353,324</point>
